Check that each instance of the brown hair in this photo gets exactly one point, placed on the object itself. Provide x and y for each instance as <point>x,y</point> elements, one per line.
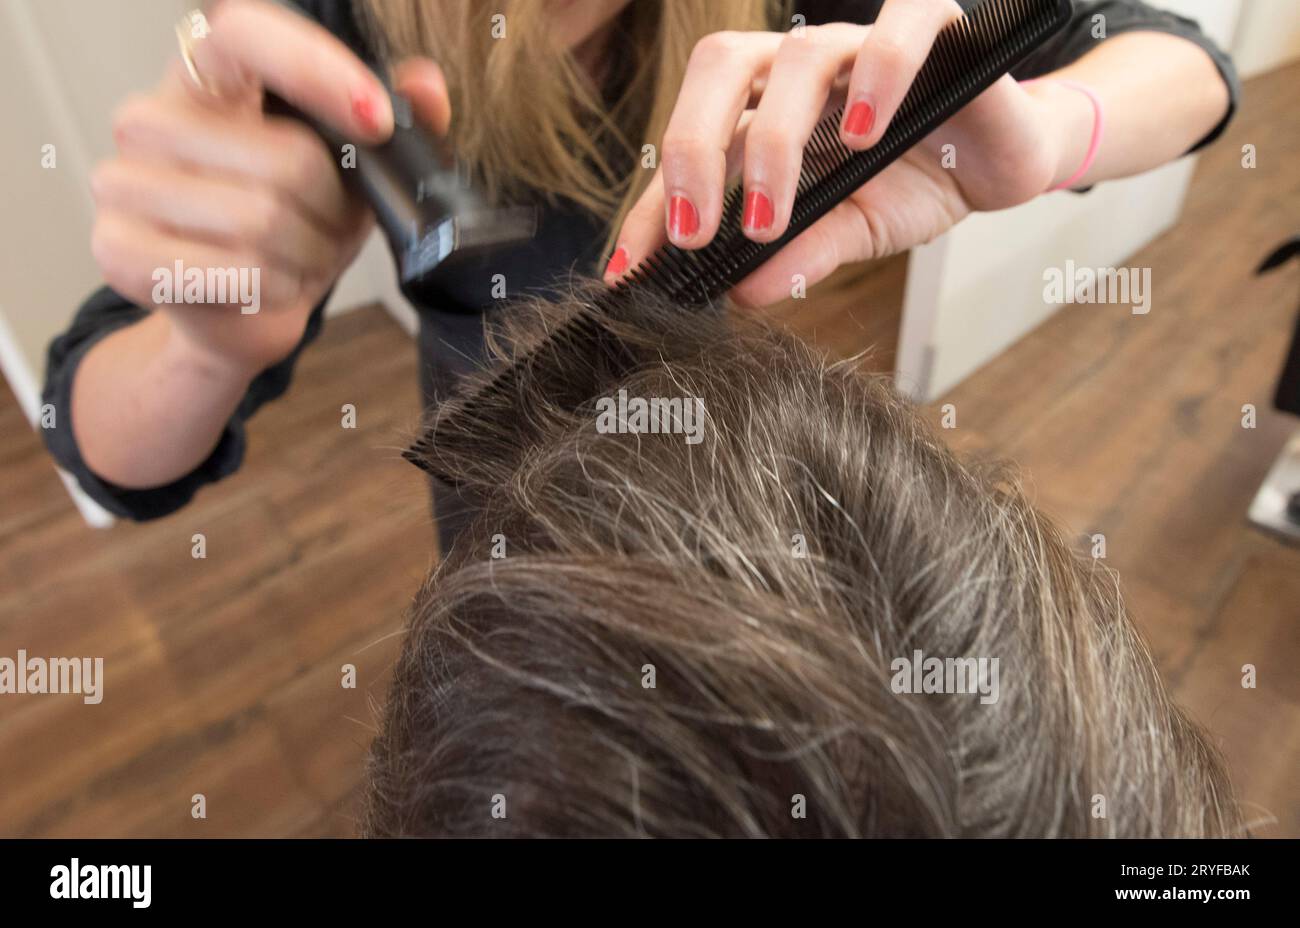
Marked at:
<point>527,117</point>
<point>522,704</point>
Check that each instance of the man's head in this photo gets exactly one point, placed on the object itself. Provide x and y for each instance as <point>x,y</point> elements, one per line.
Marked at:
<point>813,621</point>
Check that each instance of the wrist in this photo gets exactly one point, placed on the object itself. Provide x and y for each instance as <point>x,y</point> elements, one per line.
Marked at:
<point>1070,120</point>
<point>181,352</point>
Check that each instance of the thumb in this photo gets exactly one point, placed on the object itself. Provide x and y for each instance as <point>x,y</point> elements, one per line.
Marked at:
<point>421,82</point>
<point>839,236</point>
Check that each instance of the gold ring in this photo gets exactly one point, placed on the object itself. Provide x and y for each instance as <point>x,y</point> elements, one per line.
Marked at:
<point>192,27</point>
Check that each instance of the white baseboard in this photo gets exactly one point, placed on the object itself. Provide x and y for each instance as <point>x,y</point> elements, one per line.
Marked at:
<point>22,380</point>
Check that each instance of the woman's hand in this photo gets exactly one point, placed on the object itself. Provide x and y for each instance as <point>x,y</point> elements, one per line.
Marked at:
<point>207,179</point>
<point>749,103</point>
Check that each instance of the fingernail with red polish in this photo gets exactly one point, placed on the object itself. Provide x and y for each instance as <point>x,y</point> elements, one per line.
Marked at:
<point>617,262</point>
<point>859,119</point>
<point>683,221</point>
<point>363,108</point>
<point>758,212</point>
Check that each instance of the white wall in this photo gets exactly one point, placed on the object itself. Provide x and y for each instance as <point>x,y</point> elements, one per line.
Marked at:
<point>1268,35</point>
<point>64,62</point>
<point>989,269</point>
<point>979,288</point>
<point>55,98</point>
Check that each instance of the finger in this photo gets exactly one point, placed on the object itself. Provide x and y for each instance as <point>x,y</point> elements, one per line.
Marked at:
<point>799,84</point>
<point>178,87</point>
<point>216,211</point>
<point>275,151</point>
<point>718,85</point>
<point>894,50</point>
<point>642,233</point>
<point>839,237</point>
<point>300,61</point>
<point>422,82</point>
<point>131,252</point>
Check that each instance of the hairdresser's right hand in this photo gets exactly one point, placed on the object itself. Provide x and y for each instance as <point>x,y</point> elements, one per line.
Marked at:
<point>207,179</point>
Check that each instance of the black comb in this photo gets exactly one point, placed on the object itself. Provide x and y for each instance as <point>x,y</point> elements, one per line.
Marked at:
<point>969,55</point>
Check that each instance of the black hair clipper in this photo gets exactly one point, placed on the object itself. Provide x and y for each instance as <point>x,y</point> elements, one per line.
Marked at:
<point>421,196</point>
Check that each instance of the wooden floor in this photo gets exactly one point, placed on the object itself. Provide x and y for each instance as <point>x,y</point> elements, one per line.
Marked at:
<point>222,675</point>
<point>1131,426</point>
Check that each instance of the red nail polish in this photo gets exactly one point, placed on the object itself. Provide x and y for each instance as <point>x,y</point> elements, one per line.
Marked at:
<point>861,117</point>
<point>617,262</point>
<point>683,221</point>
<point>363,108</point>
<point>758,212</point>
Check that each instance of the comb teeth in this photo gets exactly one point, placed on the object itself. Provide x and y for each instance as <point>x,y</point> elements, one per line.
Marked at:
<point>968,56</point>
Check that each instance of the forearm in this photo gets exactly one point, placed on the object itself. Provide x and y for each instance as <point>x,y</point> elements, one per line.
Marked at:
<point>1161,94</point>
<point>147,408</point>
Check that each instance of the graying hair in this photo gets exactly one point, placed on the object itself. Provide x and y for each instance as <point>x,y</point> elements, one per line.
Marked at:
<point>521,687</point>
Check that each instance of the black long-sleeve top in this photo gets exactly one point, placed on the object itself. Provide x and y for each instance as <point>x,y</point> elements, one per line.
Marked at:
<point>568,237</point>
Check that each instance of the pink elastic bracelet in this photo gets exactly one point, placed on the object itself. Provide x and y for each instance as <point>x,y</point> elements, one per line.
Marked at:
<point>1098,127</point>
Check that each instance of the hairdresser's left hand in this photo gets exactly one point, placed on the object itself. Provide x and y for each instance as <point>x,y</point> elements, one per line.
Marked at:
<point>748,104</point>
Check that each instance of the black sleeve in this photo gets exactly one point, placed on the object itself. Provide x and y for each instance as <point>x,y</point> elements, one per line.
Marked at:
<point>1072,42</point>
<point>351,23</point>
<point>1118,17</point>
<point>104,313</point>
